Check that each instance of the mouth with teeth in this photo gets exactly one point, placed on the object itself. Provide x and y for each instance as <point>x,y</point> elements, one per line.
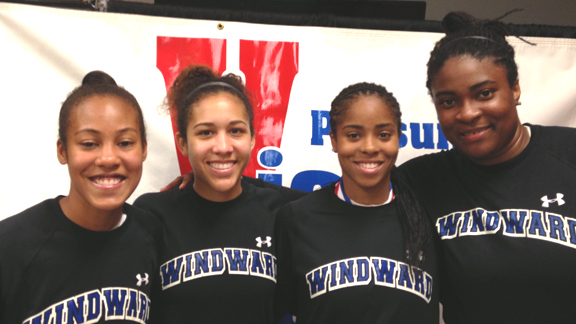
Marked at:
<point>221,165</point>
<point>474,133</point>
<point>369,167</point>
<point>109,181</point>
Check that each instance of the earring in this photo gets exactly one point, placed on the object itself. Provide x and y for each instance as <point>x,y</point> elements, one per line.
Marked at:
<point>518,103</point>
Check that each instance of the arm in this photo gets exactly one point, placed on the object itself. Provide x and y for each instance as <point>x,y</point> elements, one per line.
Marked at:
<point>182,180</point>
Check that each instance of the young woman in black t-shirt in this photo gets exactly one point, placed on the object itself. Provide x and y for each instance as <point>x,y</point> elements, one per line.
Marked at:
<point>87,256</point>
<point>218,263</point>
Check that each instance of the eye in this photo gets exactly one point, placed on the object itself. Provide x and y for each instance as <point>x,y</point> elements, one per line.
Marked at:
<point>485,94</point>
<point>446,103</point>
<point>205,132</point>
<point>88,144</point>
<point>126,143</point>
<point>237,131</point>
<point>353,136</point>
<point>384,135</point>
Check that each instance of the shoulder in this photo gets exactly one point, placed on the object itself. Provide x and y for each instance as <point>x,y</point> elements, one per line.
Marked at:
<point>28,219</point>
<point>159,202</point>
<point>268,198</point>
<point>288,194</point>
<point>143,217</point>
<point>556,140</point>
<point>552,131</point>
<point>322,199</point>
<point>145,221</point>
<point>427,166</point>
<point>23,233</point>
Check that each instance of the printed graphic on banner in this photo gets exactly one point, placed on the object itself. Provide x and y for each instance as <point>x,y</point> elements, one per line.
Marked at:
<point>175,53</point>
<point>269,68</point>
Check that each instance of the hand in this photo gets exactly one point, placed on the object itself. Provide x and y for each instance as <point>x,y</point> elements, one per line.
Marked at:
<point>182,180</point>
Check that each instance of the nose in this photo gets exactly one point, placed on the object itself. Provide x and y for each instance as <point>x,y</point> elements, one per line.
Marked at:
<point>108,157</point>
<point>223,144</point>
<point>468,112</point>
<point>369,144</point>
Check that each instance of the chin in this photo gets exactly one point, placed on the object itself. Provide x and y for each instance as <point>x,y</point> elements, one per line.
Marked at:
<point>109,205</point>
<point>224,186</point>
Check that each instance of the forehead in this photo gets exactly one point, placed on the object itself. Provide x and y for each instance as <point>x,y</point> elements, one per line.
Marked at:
<point>367,110</point>
<point>218,106</point>
<point>102,111</point>
<point>465,70</point>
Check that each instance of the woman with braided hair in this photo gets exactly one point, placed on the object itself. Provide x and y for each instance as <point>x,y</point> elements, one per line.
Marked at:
<point>359,250</point>
<point>501,200</point>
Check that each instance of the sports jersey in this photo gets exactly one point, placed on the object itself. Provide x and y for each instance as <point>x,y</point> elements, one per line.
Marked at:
<point>219,262</point>
<point>508,231</point>
<point>343,263</point>
<point>55,271</point>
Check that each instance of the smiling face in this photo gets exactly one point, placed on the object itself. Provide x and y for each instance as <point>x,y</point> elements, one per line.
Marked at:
<point>104,154</point>
<point>366,140</point>
<point>218,144</point>
<point>476,109</point>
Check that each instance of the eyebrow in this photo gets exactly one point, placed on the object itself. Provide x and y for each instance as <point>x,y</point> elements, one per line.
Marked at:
<point>472,88</point>
<point>94,131</point>
<point>234,122</point>
<point>377,126</point>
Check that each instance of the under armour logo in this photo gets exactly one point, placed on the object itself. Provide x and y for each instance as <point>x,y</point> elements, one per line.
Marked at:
<point>268,241</point>
<point>140,280</point>
<point>546,202</point>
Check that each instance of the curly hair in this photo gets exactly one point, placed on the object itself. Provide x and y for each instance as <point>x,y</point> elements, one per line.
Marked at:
<point>198,81</point>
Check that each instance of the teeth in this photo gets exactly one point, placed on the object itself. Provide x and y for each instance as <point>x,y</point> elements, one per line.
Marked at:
<point>473,132</point>
<point>107,181</point>
<point>369,165</point>
<point>226,165</point>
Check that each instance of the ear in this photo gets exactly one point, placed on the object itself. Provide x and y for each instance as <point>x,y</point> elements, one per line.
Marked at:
<point>182,144</point>
<point>144,151</point>
<point>333,141</point>
<point>252,142</point>
<point>61,152</point>
<point>516,91</point>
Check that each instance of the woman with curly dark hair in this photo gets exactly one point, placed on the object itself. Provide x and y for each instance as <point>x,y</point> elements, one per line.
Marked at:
<point>219,261</point>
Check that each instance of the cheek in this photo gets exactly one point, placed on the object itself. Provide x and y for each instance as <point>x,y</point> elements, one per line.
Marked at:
<point>445,117</point>
<point>446,121</point>
<point>197,151</point>
<point>78,162</point>
<point>346,149</point>
<point>391,149</point>
<point>243,145</point>
<point>136,161</point>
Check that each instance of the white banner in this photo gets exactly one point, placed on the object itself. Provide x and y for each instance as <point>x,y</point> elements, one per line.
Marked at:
<point>45,53</point>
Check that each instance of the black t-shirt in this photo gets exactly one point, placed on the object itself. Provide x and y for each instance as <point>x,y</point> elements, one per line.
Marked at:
<point>54,271</point>
<point>342,263</point>
<point>508,231</point>
<point>219,261</point>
